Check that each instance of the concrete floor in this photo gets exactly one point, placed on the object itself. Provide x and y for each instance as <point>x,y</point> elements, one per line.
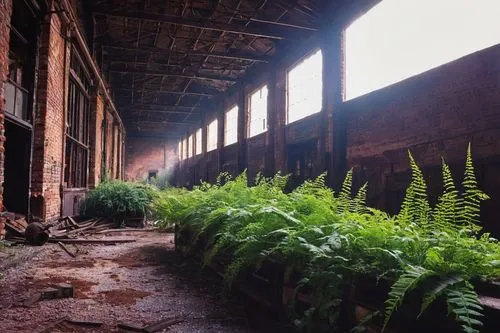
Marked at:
<point>138,283</point>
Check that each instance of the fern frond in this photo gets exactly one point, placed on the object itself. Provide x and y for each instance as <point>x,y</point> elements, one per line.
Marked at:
<point>359,201</point>
<point>344,197</point>
<point>415,208</point>
<point>445,212</point>
<point>464,303</point>
<point>443,283</point>
<point>409,280</point>
<point>472,196</point>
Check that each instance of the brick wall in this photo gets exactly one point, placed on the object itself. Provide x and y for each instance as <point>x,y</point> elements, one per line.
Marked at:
<point>147,154</point>
<point>95,170</point>
<point>433,114</point>
<point>49,120</point>
<point>5,14</point>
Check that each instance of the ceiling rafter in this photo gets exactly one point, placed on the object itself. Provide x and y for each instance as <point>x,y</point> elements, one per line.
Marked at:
<point>166,92</point>
<point>226,55</point>
<point>263,32</point>
<point>184,76</point>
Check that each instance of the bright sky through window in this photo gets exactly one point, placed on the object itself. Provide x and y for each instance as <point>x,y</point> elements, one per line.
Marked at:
<point>198,139</point>
<point>190,146</point>
<point>258,112</point>
<point>305,87</point>
<point>212,135</point>
<point>184,149</point>
<point>398,39</point>
<point>231,126</point>
<point>179,150</point>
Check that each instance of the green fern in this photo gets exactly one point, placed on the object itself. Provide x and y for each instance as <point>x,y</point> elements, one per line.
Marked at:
<point>446,211</point>
<point>358,203</point>
<point>415,208</point>
<point>464,303</point>
<point>409,280</point>
<point>472,196</point>
<point>442,284</point>
<point>344,197</point>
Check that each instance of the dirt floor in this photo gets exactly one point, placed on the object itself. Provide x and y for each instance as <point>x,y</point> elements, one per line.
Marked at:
<point>138,283</point>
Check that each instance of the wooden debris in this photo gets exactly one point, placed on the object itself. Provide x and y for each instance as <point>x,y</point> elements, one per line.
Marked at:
<point>91,241</point>
<point>72,222</point>
<point>66,249</point>
<point>53,325</point>
<point>129,327</point>
<point>84,322</point>
<point>127,230</point>
<point>32,300</point>
<point>161,325</point>
<point>66,290</point>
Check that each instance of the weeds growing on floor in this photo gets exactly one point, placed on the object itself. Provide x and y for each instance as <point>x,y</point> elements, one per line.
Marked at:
<point>118,200</point>
<point>333,237</point>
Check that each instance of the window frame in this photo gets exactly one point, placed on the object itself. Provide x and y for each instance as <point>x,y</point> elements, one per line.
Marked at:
<point>266,119</point>
<point>211,146</point>
<point>77,133</point>
<point>295,65</point>
<point>198,147</point>
<point>233,109</point>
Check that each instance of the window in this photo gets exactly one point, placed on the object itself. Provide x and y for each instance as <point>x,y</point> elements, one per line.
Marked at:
<point>399,39</point>
<point>212,135</point>
<point>179,150</point>
<point>305,88</point>
<point>231,126</point>
<point>258,112</point>
<point>77,133</point>
<point>184,149</point>
<point>198,137</point>
<point>190,146</point>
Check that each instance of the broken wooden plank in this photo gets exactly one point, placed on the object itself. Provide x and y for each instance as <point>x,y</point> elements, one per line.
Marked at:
<point>84,322</point>
<point>72,222</point>
<point>12,226</point>
<point>129,327</point>
<point>161,325</point>
<point>128,230</point>
<point>65,290</point>
<point>32,300</point>
<point>53,325</point>
<point>90,241</point>
<point>66,249</point>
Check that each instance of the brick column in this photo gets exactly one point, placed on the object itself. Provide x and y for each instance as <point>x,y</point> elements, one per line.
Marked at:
<point>5,16</point>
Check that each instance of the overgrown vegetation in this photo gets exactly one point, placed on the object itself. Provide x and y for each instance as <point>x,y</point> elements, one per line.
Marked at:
<point>119,199</point>
<point>331,238</point>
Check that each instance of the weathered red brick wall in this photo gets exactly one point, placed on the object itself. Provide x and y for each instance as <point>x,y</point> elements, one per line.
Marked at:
<point>95,170</point>
<point>5,15</point>
<point>147,154</point>
<point>433,114</point>
<point>47,164</point>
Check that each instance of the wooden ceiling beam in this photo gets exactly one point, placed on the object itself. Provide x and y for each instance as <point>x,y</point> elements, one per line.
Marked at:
<point>185,76</point>
<point>199,24</point>
<point>226,55</point>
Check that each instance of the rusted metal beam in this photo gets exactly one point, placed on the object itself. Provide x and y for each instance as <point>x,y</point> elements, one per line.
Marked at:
<point>144,111</point>
<point>199,24</point>
<point>185,76</point>
<point>159,91</point>
<point>158,106</point>
<point>225,55</point>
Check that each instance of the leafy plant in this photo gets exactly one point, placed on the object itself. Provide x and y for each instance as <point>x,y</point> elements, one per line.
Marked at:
<point>118,199</point>
<point>331,239</point>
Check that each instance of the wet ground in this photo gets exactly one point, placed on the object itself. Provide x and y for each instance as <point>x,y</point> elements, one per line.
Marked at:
<point>138,283</point>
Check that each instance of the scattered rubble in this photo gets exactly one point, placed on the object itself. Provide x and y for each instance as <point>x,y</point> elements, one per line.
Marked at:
<point>68,230</point>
